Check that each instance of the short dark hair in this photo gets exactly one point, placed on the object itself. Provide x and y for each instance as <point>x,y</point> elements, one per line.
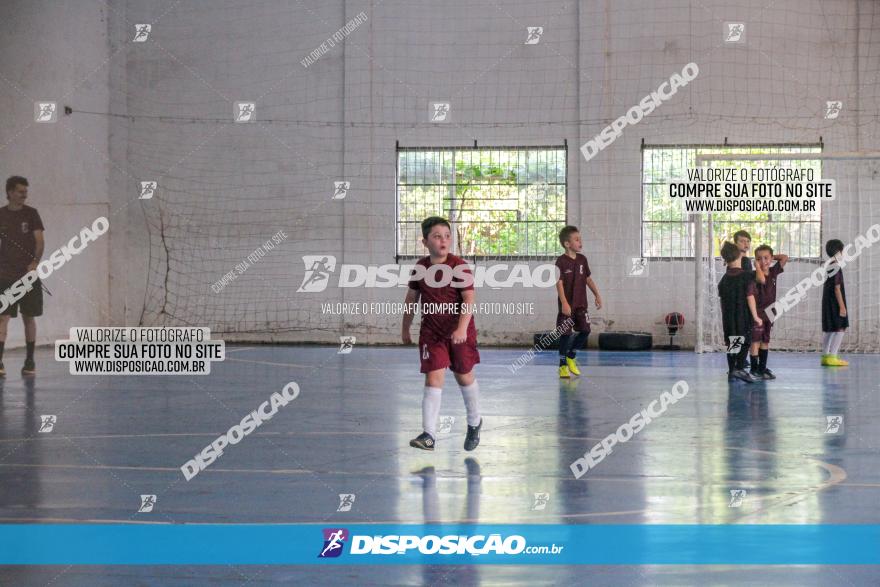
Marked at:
<point>730,252</point>
<point>432,221</point>
<point>740,233</point>
<point>566,233</point>
<point>767,248</point>
<point>14,181</point>
<point>833,247</point>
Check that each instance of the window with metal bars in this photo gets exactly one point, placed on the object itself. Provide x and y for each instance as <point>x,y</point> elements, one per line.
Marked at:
<point>667,231</point>
<point>502,202</point>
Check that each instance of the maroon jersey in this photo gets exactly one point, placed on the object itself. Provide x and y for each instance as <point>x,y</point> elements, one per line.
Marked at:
<point>17,241</point>
<point>765,293</point>
<point>442,324</point>
<point>574,274</point>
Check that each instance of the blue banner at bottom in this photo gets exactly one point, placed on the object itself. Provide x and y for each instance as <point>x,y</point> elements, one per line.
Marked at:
<point>298,544</point>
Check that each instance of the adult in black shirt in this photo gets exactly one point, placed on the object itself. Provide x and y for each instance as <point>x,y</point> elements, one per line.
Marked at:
<point>21,247</point>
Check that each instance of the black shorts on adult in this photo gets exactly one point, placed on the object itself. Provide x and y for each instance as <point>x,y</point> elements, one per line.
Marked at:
<point>31,303</point>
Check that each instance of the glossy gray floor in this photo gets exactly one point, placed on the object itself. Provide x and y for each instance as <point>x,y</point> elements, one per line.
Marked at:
<point>116,438</point>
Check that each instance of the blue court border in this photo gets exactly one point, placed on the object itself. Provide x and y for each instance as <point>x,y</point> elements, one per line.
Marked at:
<point>297,544</point>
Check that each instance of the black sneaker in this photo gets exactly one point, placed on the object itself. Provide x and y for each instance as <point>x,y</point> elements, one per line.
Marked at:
<point>423,441</point>
<point>768,374</point>
<point>472,440</point>
<point>30,368</point>
<point>730,376</point>
<point>743,375</point>
<point>2,370</point>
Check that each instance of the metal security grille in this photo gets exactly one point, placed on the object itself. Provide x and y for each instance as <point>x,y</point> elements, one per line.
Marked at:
<point>668,232</point>
<point>502,202</point>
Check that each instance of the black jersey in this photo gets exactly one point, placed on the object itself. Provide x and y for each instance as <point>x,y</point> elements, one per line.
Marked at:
<point>733,289</point>
<point>832,321</point>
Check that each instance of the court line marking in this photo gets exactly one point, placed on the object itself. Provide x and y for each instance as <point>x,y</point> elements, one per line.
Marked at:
<point>163,469</point>
<point>836,475</point>
<point>296,365</point>
<point>621,479</point>
<point>238,350</point>
<point>402,365</point>
<point>859,484</point>
<point>333,433</point>
<point>363,523</point>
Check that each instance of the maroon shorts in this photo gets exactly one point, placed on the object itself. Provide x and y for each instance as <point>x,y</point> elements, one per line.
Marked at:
<point>579,320</point>
<point>762,333</point>
<point>439,353</point>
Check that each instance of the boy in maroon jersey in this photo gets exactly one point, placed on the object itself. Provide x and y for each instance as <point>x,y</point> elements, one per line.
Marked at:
<point>571,288</point>
<point>765,294</point>
<point>448,336</point>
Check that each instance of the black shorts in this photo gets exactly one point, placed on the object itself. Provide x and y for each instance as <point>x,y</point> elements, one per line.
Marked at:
<point>31,303</point>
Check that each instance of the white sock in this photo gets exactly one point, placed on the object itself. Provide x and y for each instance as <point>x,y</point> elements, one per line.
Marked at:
<point>826,342</point>
<point>431,409</point>
<point>471,396</point>
<point>836,339</point>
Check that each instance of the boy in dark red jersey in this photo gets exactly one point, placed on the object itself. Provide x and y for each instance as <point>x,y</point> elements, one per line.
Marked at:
<point>765,294</point>
<point>571,288</point>
<point>448,336</point>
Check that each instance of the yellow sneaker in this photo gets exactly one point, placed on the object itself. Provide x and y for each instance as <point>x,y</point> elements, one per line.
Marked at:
<point>835,361</point>
<point>825,362</point>
<point>572,366</point>
<point>563,372</point>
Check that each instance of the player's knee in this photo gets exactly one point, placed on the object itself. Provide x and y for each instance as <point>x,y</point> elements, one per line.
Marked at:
<point>464,378</point>
<point>434,378</point>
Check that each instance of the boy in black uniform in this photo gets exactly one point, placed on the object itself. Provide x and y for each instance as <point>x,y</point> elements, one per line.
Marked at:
<point>738,311</point>
<point>835,319</point>
<point>743,241</point>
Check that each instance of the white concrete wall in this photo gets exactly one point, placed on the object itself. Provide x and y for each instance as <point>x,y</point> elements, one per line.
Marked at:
<point>226,188</point>
<point>56,51</point>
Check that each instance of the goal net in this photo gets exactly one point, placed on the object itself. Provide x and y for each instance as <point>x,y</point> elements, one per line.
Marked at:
<point>801,236</point>
<point>344,130</point>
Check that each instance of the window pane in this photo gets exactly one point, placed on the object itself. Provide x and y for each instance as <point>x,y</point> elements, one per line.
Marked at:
<point>501,202</point>
<point>666,231</point>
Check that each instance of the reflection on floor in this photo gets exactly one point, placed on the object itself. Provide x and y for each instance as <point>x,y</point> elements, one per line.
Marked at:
<point>771,452</point>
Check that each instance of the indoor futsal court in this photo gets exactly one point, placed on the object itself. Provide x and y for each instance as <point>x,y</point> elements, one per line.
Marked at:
<point>391,292</point>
